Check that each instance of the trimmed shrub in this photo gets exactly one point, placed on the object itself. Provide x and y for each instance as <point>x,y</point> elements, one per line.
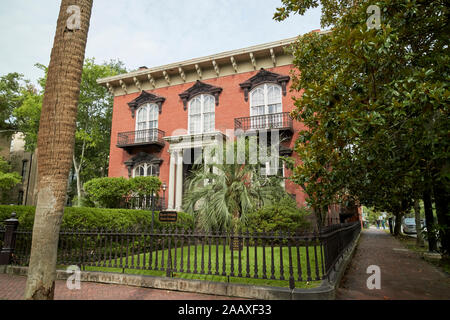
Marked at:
<point>283,215</point>
<point>110,192</point>
<point>107,192</point>
<point>144,186</point>
<point>97,218</point>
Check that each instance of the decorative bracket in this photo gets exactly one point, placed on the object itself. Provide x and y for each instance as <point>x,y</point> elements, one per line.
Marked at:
<point>141,157</point>
<point>264,76</point>
<point>200,88</point>
<point>144,98</point>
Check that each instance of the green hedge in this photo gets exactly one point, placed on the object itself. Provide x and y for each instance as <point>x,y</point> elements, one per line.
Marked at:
<point>109,192</point>
<point>283,215</point>
<point>97,218</point>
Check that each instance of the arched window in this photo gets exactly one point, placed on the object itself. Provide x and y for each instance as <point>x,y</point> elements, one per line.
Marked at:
<point>147,122</point>
<point>201,114</point>
<point>266,100</point>
<point>146,170</point>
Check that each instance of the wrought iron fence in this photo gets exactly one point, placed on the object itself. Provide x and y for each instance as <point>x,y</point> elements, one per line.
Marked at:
<point>291,257</point>
<point>2,236</point>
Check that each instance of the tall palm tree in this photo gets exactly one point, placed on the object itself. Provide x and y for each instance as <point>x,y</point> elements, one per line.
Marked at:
<point>55,143</point>
<point>221,195</point>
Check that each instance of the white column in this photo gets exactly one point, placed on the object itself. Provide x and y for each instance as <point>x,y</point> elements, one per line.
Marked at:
<point>170,204</point>
<point>179,185</point>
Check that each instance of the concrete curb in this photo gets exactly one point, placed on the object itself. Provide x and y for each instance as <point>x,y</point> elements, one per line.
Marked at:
<point>326,291</point>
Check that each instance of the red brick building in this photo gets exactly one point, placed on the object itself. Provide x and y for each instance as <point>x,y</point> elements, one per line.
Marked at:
<point>163,113</point>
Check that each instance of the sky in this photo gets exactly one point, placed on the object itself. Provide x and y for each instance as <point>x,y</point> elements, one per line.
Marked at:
<point>145,32</point>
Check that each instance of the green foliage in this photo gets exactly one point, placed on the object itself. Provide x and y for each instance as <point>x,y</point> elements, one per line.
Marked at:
<point>94,116</point>
<point>375,103</point>
<point>12,88</point>
<point>97,218</point>
<point>232,192</point>
<point>143,186</point>
<point>28,115</point>
<point>83,201</point>
<point>282,215</point>
<point>107,192</point>
<point>8,179</point>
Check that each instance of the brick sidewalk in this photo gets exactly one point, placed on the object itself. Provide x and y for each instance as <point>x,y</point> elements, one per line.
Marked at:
<point>12,287</point>
<point>404,274</point>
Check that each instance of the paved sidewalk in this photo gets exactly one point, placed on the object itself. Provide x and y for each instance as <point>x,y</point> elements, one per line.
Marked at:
<point>404,274</point>
<point>12,287</point>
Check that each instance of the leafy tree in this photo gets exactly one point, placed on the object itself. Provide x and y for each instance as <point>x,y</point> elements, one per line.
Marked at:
<point>375,103</point>
<point>94,116</point>
<point>93,135</point>
<point>27,118</point>
<point>8,179</point>
<point>12,87</point>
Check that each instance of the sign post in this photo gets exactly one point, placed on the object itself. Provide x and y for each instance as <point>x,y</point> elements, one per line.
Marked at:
<point>168,216</point>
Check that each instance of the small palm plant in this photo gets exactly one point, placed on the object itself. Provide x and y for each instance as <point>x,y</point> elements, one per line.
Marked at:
<point>220,196</point>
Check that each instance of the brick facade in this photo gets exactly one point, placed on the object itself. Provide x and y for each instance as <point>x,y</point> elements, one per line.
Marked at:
<point>173,117</point>
<point>227,71</point>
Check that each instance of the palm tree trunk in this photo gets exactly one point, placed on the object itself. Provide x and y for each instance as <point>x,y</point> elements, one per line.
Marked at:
<point>55,145</point>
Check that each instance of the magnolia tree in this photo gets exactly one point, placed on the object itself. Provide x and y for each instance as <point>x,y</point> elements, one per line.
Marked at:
<point>375,103</point>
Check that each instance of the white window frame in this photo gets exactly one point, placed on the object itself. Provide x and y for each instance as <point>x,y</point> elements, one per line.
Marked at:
<point>146,166</point>
<point>148,136</point>
<point>202,114</point>
<point>265,87</point>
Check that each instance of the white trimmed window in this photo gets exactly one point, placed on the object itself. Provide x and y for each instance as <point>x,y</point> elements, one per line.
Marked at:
<point>201,114</point>
<point>146,170</point>
<point>265,99</point>
<point>147,118</point>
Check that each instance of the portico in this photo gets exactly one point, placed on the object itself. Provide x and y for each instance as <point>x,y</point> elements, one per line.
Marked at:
<point>180,151</point>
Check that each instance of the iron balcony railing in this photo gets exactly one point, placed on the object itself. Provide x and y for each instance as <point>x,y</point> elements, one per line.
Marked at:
<point>281,121</point>
<point>140,137</point>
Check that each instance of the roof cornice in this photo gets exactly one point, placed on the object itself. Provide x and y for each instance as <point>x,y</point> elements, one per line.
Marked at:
<point>252,58</point>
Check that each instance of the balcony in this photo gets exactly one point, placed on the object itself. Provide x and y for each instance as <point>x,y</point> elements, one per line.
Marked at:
<point>280,121</point>
<point>128,140</point>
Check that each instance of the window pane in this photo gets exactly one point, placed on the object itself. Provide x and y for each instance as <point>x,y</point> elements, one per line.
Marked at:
<point>208,122</point>
<point>153,124</point>
<point>154,112</point>
<point>273,94</point>
<point>257,97</point>
<point>195,106</point>
<point>208,103</point>
<point>194,124</point>
<point>139,171</point>
<point>142,114</point>
<point>275,108</point>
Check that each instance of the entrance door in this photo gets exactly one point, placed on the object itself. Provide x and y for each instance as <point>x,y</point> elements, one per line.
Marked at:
<point>190,157</point>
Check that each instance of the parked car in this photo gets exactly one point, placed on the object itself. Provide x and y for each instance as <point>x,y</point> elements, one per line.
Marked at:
<point>409,225</point>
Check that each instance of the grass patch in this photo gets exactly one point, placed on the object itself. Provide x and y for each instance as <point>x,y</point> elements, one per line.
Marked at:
<point>244,273</point>
<point>410,243</point>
